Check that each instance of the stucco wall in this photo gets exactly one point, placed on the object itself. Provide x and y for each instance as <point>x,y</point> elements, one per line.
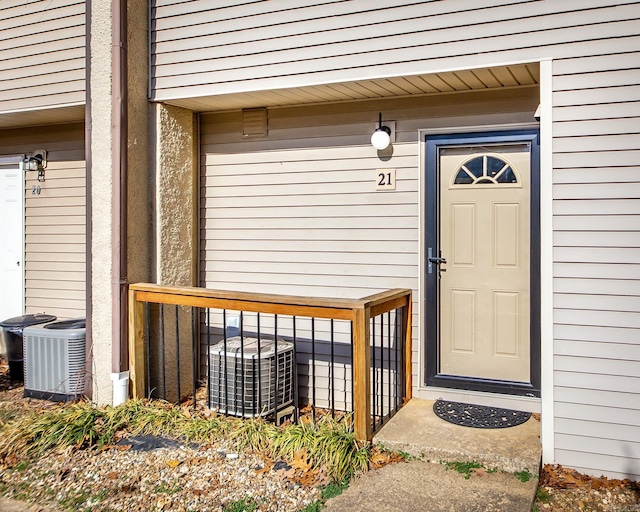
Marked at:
<point>101,198</point>
<point>104,226</point>
<point>175,138</point>
<point>176,226</point>
<point>139,171</point>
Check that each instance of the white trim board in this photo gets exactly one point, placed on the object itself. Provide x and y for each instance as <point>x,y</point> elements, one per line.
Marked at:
<point>547,426</point>
<point>517,403</point>
<point>11,159</point>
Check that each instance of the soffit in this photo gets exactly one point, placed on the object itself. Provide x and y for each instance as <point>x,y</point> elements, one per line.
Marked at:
<point>404,86</point>
<point>61,115</point>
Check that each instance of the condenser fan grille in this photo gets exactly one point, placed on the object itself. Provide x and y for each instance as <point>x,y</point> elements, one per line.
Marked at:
<point>251,378</point>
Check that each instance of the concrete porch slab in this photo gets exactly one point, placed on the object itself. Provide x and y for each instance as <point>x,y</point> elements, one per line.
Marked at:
<point>416,430</point>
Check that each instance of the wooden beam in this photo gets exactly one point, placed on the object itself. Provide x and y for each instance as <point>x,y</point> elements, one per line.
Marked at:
<point>230,303</point>
<point>249,297</point>
<point>361,375</point>
<point>136,346</point>
<point>384,307</point>
<point>407,319</point>
<point>375,300</point>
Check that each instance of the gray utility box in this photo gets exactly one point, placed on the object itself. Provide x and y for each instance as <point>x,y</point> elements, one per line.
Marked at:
<point>55,360</point>
<point>250,381</point>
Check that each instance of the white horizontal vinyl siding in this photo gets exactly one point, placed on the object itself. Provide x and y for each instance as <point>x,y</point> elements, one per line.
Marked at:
<point>596,112</point>
<point>42,54</point>
<point>204,50</point>
<point>55,241</point>
<point>297,212</point>
<point>200,49</point>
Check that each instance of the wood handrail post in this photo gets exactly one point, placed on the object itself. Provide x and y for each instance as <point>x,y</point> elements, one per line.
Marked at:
<point>407,319</point>
<point>136,346</point>
<point>361,375</point>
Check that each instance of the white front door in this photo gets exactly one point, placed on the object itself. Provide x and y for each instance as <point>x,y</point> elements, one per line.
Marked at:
<point>11,240</point>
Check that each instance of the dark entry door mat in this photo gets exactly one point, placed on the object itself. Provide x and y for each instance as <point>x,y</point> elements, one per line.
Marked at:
<point>478,416</point>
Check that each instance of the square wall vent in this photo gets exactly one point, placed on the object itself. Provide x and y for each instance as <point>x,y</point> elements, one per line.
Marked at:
<point>254,122</point>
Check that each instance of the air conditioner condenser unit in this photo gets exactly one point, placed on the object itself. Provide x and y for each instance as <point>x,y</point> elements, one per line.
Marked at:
<point>251,378</point>
<point>54,360</point>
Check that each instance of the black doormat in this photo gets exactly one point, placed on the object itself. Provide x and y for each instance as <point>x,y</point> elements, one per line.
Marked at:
<point>478,416</point>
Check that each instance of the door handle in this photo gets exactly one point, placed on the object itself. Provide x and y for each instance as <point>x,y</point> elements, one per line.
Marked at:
<point>431,260</point>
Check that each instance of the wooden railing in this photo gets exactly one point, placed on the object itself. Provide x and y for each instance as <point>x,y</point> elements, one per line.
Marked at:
<point>367,323</point>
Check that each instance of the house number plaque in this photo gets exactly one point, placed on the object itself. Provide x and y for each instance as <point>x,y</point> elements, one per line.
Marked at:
<point>385,179</point>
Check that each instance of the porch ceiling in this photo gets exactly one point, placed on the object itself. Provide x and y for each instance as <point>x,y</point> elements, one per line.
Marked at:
<point>61,115</point>
<point>433,83</point>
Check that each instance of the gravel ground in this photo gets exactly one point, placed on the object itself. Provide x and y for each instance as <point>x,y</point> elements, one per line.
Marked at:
<point>171,476</point>
<point>178,479</point>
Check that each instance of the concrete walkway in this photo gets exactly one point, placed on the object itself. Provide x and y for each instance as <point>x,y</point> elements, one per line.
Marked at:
<point>428,485</point>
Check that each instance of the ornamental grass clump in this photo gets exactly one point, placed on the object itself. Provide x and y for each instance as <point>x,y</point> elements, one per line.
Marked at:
<point>82,425</point>
<point>328,443</point>
<point>72,425</point>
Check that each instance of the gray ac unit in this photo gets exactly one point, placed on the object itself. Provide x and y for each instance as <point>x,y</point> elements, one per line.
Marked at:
<point>249,381</point>
<point>55,360</point>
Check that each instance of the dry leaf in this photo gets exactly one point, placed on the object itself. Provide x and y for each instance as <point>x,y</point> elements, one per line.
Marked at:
<point>308,478</point>
<point>265,469</point>
<point>322,477</point>
<point>381,458</point>
<point>112,475</point>
<point>301,461</point>
<point>173,463</point>
<point>286,473</point>
<point>123,447</point>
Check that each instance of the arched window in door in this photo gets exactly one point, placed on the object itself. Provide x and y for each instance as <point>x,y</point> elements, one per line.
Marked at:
<point>485,169</point>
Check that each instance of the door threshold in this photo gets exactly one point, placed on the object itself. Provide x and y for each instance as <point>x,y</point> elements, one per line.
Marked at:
<point>516,403</point>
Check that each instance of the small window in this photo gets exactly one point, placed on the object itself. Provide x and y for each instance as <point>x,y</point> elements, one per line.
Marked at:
<point>483,170</point>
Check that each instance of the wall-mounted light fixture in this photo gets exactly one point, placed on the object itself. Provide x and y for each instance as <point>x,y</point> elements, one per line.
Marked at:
<point>36,161</point>
<point>381,138</point>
